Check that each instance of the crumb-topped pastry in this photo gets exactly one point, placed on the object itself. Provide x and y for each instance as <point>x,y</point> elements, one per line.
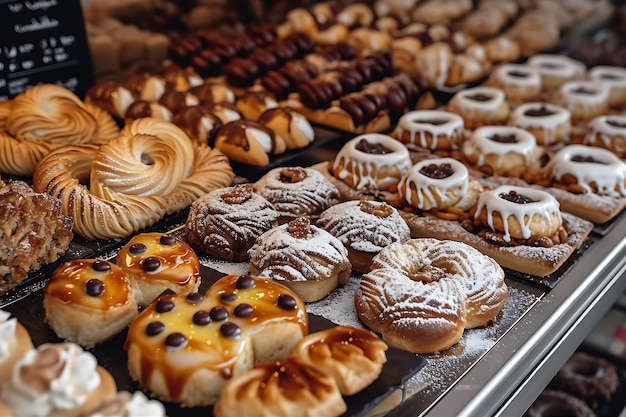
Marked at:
<point>430,129</point>
<point>364,227</point>
<point>548,123</point>
<point>480,106</point>
<point>156,262</point>
<point>226,222</point>
<point>297,191</point>
<point>304,257</point>
<point>185,347</point>
<point>609,132</point>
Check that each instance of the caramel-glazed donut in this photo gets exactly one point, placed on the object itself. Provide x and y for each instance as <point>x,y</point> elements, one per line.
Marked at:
<point>422,294</point>
<point>150,170</point>
<point>46,117</point>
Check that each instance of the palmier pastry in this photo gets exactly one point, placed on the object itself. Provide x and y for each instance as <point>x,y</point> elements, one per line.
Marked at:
<point>14,342</point>
<point>33,232</point>
<point>185,347</point>
<point>290,126</point>
<point>364,227</point>
<point>152,169</point>
<point>353,356</point>
<point>502,150</point>
<point>430,129</point>
<point>520,83</point>
<point>88,301</point>
<point>56,379</point>
<point>226,222</point>
<point>614,78</point>
<point>520,213</point>
<point>480,106</point>
<point>584,99</point>
<point>435,184</point>
<point>248,142</point>
<point>297,191</point>
<point>283,388</point>
<point>46,117</point>
<point>555,70</point>
<point>303,257</point>
<point>422,294</point>
<point>371,162</point>
<point>588,169</point>
<point>547,122</point>
<point>156,262</point>
<point>608,132</point>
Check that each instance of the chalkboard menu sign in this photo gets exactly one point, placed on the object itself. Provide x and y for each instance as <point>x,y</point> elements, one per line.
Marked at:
<point>43,41</point>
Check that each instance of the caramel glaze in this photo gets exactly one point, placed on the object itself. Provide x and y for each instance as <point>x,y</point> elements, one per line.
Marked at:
<point>180,333</point>
<point>90,283</point>
<point>160,256</point>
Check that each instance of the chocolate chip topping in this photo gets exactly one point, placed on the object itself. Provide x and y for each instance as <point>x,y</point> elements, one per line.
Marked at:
<point>243,310</point>
<point>583,91</point>
<point>154,328</point>
<point>167,240</point>
<point>101,266</point>
<point>137,248</point>
<point>518,74</point>
<point>437,171</point>
<point>228,297</point>
<point>151,263</point>
<point>616,123</point>
<point>175,339</point>
<point>372,148</point>
<point>479,97</point>
<point>539,112</point>
<point>218,313</point>
<point>202,318</point>
<point>194,297</point>
<point>230,330</point>
<point>584,158</point>
<point>94,287</point>
<point>245,282</point>
<point>434,122</point>
<point>164,306</point>
<point>510,138</point>
<point>287,302</point>
<point>516,198</point>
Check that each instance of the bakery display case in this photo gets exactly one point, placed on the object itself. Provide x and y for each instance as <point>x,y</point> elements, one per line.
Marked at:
<point>247,109</point>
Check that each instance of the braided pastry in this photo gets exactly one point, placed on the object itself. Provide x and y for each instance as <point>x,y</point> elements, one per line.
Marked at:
<point>46,117</point>
<point>150,170</point>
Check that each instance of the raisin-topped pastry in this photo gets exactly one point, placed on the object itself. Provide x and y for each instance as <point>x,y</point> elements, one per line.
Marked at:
<point>520,83</point>
<point>430,129</point>
<point>549,123</point>
<point>584,99</point>
<point>609,132</point>
<point>185,347</point>
<point>614,78</point>
<point>304,257</point>
<point>556,70</point>
<point>502,150</point>
<point>480,106</point>
<point>156,262</point>
<point>226,222</point>
<point>297,191</point>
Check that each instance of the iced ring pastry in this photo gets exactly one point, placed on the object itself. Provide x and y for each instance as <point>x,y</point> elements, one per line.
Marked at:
<point>430,129</point>
<point>588,169</point>
<point>88,301</point>
<point>371,162</point>
<point>520,83</point>
<point>502,150</point>
<point>584,99</point>
<point>608,132</point>
<point>297,191</point>
<point>547,122</point>
<point>614,78</point>
<point>156,262</point>
<point>303,257</point>
<point>519,213</point>
<point>226,222</point>
<point>184,348</point>
<point>422,294</point>
<point>480,106</point>
<point>555,70</point>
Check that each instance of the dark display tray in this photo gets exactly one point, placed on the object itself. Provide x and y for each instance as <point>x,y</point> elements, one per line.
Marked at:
<point>400,365</point>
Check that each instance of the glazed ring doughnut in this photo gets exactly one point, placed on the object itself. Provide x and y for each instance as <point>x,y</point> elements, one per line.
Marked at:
<point>422,294</point>
<point>430,129</point>
<point>46,117</point>
<point>134,182</point>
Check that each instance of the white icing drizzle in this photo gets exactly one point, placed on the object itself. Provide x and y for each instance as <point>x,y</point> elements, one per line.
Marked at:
<point>366,166</point>
<point>608,173</point>
<point>614,78</point>
<point>419,122</point>
<point>549,124</point>
<point>434,192</point>
<point>528,84</point>
<point>543,205</point>
<point>481,141</point>
<point>595,95</point>
<point>462,101</point>
<point>599,128</point>
<point>559,67</point>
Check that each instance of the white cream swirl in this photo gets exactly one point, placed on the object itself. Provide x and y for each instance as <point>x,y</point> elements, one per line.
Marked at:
<point>7,333</point>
